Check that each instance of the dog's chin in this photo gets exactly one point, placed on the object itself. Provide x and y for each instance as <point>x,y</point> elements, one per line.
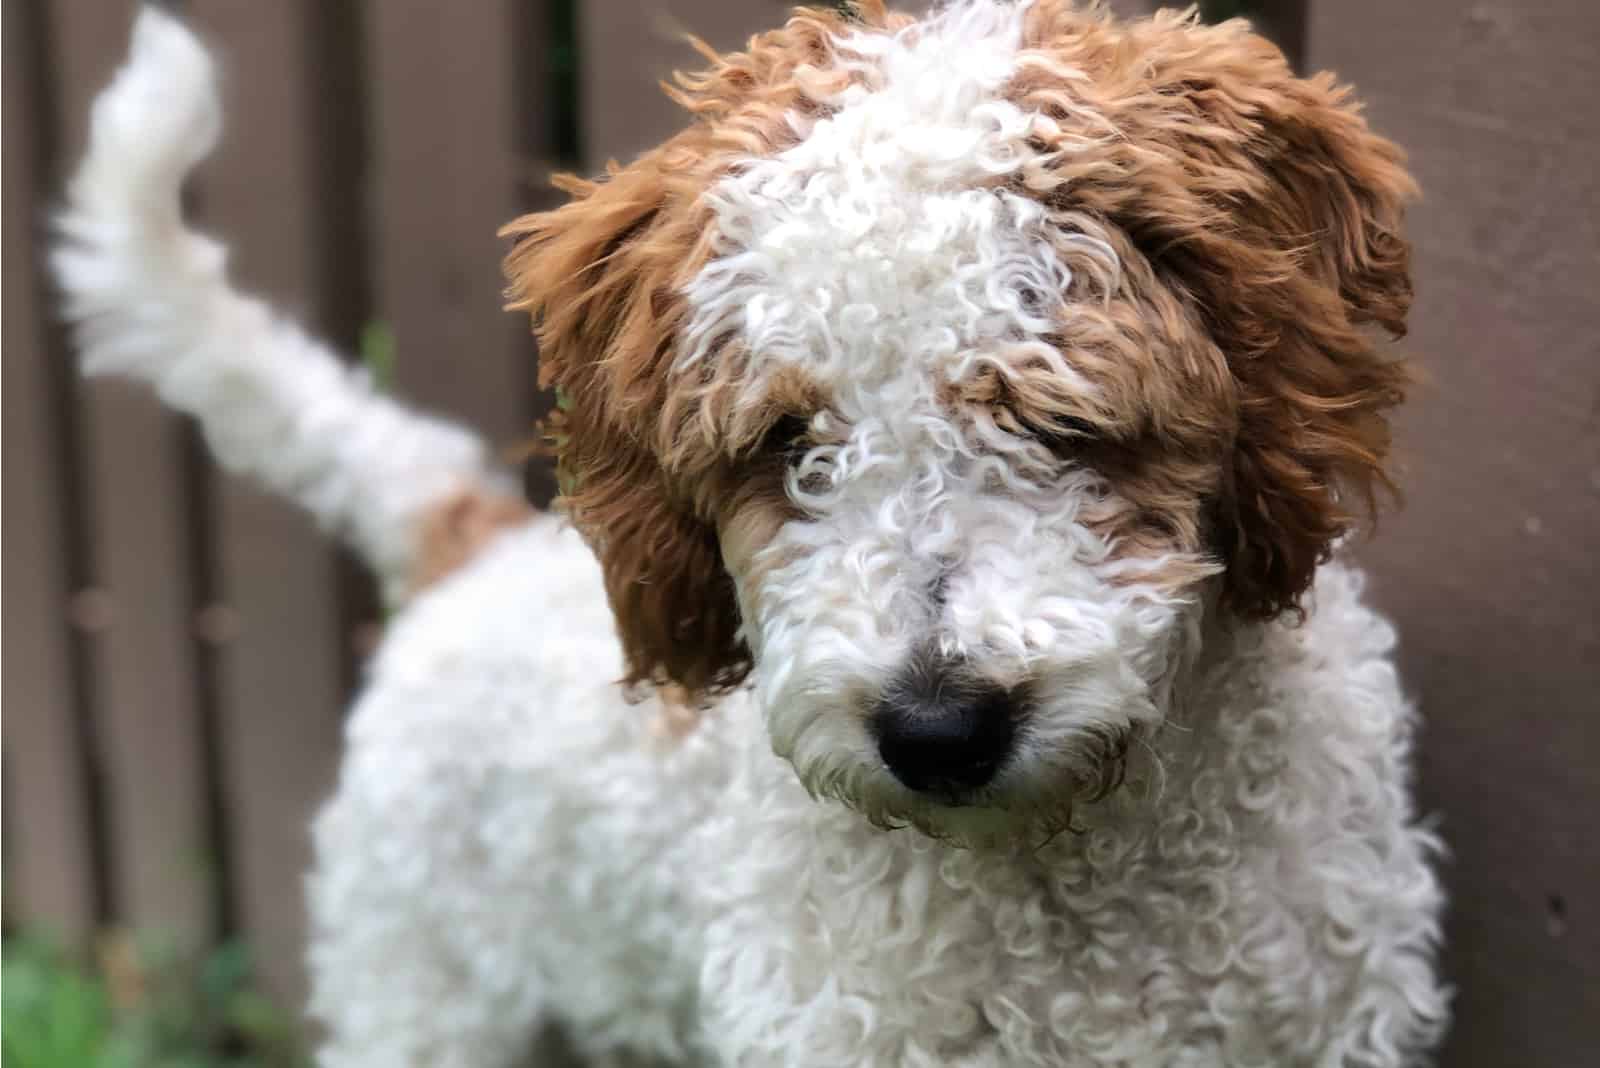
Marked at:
<point>978,823</point>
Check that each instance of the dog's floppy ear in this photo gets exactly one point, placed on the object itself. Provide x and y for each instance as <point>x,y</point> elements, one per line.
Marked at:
<point>1314,399</point>
<point>602,276</point>
<point>1279,212</point>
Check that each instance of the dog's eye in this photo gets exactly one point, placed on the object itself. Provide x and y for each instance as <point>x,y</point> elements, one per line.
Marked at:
<point>787,436</point>
<point>1067,432</point>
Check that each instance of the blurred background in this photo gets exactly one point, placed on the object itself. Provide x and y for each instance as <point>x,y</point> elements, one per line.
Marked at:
<point>178,649</point>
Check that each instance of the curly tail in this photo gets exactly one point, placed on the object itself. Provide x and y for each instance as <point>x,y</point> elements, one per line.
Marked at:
<point>150,299</point>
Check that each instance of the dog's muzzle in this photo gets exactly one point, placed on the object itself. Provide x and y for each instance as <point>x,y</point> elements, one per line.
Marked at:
<point>944,730</point>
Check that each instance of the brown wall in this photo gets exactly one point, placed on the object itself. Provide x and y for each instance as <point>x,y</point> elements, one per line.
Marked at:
<point>1491,569</point>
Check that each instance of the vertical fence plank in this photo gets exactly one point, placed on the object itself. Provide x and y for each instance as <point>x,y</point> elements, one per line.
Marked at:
<point>447,168</point>
<point>144,662</point>
<point>48,870</point>
<point>1489,569</point>
<point>280,655</point>
<point>1284,23</point>
<point>627,49</point>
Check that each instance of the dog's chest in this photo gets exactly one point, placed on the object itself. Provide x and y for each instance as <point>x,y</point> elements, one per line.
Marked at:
<point>1268,876</point>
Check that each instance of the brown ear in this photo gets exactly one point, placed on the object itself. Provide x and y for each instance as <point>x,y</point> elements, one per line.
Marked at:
<point>1275,207</point>
<point>1313,431</point>
<point>602,276</point>
<point>674,602</point>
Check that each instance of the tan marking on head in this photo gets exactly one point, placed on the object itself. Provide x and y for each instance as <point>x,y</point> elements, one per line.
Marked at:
<point>677,714</point>
<point>455,530</point>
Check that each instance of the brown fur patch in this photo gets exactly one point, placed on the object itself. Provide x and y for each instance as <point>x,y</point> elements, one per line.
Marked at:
<point>456,530</point>
<point>603,276</point>
<point>1261,233</point>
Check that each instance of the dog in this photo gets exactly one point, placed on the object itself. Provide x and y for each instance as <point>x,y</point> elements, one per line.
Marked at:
<point>941,654</point>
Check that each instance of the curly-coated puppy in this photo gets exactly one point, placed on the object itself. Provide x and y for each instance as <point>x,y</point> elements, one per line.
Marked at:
<point>942,664</point>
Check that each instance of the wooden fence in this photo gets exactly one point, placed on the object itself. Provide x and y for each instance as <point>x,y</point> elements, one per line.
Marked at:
<point>178,648</point>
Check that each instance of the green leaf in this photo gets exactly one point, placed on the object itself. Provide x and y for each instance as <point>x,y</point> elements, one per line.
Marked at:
<point>52,1015</point>
<point>378,352</point>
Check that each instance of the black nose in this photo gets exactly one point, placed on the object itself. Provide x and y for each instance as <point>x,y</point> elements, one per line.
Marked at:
<point>942,730</point>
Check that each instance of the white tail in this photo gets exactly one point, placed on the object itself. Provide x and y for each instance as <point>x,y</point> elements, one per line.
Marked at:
<point>149,298</point>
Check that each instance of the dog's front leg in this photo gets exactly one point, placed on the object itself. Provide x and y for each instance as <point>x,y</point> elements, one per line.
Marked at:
<point>417,960</point>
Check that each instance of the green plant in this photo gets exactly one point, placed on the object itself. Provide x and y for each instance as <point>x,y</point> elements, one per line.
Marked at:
<point>144,1005</point>
<point>51,1014</point>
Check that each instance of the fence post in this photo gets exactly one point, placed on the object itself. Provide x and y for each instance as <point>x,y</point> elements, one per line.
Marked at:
<point>626,49</point>
<point>49,876</point>
<point>448,172</point>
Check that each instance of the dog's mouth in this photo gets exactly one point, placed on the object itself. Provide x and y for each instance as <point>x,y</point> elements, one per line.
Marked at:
<point>954,797</point>
<point>976,822</point>
<point>1010,812</point>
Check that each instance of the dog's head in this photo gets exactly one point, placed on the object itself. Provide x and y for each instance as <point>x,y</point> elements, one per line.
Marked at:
<point>944,374</point>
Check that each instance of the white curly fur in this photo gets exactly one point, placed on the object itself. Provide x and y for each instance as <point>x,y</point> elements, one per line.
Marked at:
<point>874,255</point>
<point>509,840</point>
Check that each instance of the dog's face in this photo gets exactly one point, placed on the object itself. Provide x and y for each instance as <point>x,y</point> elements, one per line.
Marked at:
<point>946,374</point>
